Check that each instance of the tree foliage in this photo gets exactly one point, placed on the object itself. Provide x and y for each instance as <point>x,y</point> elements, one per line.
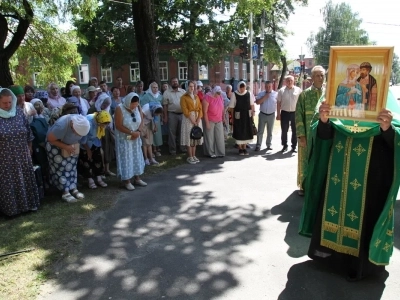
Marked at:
<point>28,24</point>
<point>277,14</point>
<point>342,27</point>
<point>395,69</point>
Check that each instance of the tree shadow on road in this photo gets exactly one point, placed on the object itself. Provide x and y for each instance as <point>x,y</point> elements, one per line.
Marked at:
<point>311,280</point>
<point>290,211</point>
<point>164,241</point>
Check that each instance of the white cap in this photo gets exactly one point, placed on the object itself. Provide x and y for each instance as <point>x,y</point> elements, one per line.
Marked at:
<point>199,83</point>
<point>80,124</point>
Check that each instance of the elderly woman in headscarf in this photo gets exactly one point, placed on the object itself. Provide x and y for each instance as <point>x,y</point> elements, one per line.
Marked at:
<point>39,127</point>
<point>84,104</point>
<point>151,111</point>
<point>63,144</point>
<point>192,114</point>
<point>19,192</point>
<point>130,162</point>
<point>103,103</point>
<point>27,107</point>
<point>241,106</point>
<point>90,157</point>
<point>153,95</point>
<point>76,102</point>
<point>55,100</point>
<point>213,112</point>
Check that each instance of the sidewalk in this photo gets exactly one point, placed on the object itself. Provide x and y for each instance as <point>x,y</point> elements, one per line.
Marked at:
<point>221,229</point>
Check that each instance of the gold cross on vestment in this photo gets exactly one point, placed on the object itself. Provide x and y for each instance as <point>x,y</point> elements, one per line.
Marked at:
<point>335,179</point>
<point>332,210</point>
<point>352,216</point>
<point>359,150</point>
<point>386,247</point>
<point>355,184</point>
<point>377,242</point>
<point>339,146</point>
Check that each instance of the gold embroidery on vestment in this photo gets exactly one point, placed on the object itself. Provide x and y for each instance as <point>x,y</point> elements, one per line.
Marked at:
<point>332,210</point>
<point>352,216</point>
<point>335,179</point>
<point>339,146</point>
<point>386,247</point>
<point>355,184</point>
<point>359,150</point>
<point>377,242</point>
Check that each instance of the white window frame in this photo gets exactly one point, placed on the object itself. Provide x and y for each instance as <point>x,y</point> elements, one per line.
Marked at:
<point>236,70</point>
<point>83,70</point>
<point>107,77</point>
<point>227,68</point>
<point>203,75</point>
<point>34,79</point>
<point>244,71</point>
<point>163,70</point>
<point>183,70</point>
<point>134,71</point>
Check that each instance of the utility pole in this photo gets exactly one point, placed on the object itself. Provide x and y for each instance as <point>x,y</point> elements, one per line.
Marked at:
<point>261,75</point>
<point>251,53</point>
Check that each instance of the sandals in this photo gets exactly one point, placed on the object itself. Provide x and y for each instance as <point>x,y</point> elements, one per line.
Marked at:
<point>101,183</point>
<point>92,185</point>
<point>69,198</point>
<point>77,194</point>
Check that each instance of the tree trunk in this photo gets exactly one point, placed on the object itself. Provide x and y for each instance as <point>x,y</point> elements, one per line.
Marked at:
<point>283,74</point>
<point>7,52</point>
<point>146,42</point>
<point>191,61</point>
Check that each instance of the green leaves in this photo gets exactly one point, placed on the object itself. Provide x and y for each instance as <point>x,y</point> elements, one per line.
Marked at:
<point>342,27</point>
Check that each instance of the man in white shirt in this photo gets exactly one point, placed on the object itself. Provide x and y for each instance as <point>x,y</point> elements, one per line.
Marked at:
<point>267,100</point>
<point>172,114</point>
<point>287,100</point>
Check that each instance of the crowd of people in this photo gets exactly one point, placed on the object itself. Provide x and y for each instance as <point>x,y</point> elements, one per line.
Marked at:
<point>67,132</point>
<point>59,136</point>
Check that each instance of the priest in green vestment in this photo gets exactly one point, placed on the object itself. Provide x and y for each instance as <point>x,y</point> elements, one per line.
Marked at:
<point>305,109</point>
<point>351,190</point>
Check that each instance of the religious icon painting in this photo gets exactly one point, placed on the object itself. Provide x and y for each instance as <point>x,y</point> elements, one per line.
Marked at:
<point>358,81</point>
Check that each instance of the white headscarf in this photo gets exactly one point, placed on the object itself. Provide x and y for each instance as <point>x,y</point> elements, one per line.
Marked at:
<point>34,100</point>
<point>100,100</point>
<point>80,124</point>
<point>9,113</point>
<point>237,90</point>
<point>150,91</point>
<point>74,87</point>
<point>128,98</point>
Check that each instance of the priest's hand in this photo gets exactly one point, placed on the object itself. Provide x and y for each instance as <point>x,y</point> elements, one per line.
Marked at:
<point>324,110</point>
<point>385,118</point>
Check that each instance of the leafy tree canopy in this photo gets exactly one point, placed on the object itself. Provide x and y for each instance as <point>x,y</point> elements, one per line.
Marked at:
<point>342,27</point>
<point>28,32</point>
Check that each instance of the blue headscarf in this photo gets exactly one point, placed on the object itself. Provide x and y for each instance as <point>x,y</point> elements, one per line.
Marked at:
<point>76,102</point>
<point>9,113</point>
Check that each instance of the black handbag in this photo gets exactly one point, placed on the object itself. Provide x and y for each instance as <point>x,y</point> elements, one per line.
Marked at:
<point>196,133</point>
<point>255,131</point>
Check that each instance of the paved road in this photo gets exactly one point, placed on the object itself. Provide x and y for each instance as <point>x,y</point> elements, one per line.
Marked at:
<point>221,229</point>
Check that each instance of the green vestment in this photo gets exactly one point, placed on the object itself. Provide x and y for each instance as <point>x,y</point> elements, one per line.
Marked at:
<point>339,168</point>
<point>305,111</point>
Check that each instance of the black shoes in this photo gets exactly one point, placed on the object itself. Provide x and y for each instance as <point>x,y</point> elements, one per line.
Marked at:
<point>284,149</point>
<point>294,150</point>
<point>269,148</point>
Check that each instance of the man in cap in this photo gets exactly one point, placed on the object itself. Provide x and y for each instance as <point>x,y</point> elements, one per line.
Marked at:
<point>369,86</point>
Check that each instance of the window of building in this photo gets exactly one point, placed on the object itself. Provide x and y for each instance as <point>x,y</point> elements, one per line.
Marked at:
<point>236,70</point>
<point>183,70</point>
<point>35,75</point>
<point>310,62</point>
<point>163,65</point>
<point>227,69</point>
<point>135,72</point>
<point>203,71</point>
<point>244,71</point>
<point>106,75</point>
<point>84,74</point>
